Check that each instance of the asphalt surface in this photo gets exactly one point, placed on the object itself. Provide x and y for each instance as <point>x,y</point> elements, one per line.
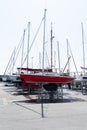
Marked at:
<point>17,112</point>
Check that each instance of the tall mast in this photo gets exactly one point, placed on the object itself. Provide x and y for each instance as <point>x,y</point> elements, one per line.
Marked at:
<point>68,55</point>
<point>51,39</point>
<point>22,49</point>
<point>28,44</point>
<point>39,60</point>
<point>42,111</point>
<point>83,47</point>
<point>44,40</point>
<point>58,56</point>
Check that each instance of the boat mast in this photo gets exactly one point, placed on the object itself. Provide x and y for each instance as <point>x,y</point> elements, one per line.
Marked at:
<point>51,39</point>
<point>42,109</point>
<point>83,47</point>
<point>44,40</point>
<point>58,56</point>
<point>39,60</point>
<point>68,55</point>
<point>28,45</point>
<point>22,48</point>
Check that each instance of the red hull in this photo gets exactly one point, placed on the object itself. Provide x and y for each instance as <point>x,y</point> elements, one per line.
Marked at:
<point>45,78</point>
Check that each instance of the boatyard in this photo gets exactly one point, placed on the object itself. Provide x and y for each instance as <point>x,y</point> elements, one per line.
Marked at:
<point>43,82</point>
<point>18,111</point>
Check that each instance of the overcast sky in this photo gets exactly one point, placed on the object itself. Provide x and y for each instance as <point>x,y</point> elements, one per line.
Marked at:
<point>66,16</point>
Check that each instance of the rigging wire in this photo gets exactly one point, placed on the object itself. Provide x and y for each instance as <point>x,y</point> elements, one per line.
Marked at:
<point>33,41</point>
<point>73,60</point>
<point>16,50</point>
<point>9,63</point>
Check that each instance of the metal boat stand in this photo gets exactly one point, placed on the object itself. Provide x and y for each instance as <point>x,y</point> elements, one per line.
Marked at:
<point>50,96</point>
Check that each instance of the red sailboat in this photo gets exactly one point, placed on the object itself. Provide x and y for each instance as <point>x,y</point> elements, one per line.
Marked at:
<point>46,78</point>
<point>49,79</point>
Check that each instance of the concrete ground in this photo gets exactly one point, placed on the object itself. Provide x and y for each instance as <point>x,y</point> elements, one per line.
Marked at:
<point>18,113</point>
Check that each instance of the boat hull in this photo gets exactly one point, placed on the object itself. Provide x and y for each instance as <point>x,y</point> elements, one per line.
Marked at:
<point>45,78</point>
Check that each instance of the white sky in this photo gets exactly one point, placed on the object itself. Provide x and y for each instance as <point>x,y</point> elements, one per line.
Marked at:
<point>66,16</point>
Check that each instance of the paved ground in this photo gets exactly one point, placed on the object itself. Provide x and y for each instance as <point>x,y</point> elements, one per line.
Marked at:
<point>18,113</point>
